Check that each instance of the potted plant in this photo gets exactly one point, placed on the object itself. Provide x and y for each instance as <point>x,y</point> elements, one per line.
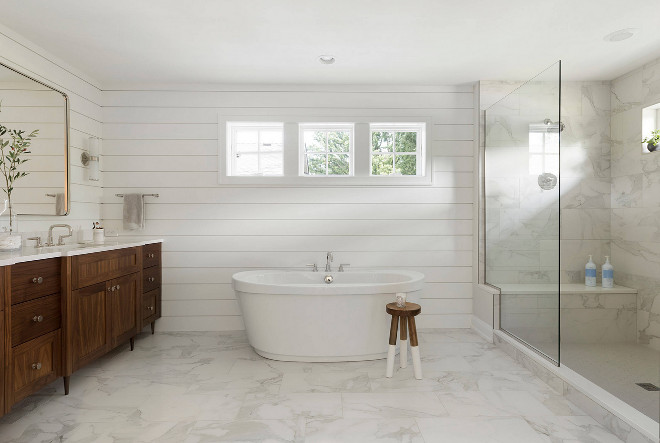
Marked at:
<point>653,140</point>
<point>14,144</point>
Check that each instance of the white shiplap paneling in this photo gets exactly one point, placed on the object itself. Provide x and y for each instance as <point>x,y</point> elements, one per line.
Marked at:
<point>165,141</point>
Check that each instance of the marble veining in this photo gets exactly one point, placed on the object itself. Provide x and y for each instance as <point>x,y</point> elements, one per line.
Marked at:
<point>212,387</point>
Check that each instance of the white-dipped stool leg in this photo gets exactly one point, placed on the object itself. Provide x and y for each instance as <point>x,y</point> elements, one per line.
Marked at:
<point>403,353</point>
<point>417,363</point>
<point>390,361</point>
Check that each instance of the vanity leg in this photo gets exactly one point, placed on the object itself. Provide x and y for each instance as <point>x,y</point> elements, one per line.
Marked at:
<point>132,343</point>
<point>66,385</point>
<point>153,327</point>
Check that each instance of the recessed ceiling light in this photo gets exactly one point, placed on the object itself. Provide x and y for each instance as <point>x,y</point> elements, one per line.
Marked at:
<point>621,34</point>
<point>326,59</point>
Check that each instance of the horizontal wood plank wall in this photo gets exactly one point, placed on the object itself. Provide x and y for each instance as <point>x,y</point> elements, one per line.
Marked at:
<point>165,141</point>
<point>85,121</point>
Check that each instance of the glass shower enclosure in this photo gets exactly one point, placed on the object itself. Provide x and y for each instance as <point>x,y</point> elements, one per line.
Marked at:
<point>521,192</point>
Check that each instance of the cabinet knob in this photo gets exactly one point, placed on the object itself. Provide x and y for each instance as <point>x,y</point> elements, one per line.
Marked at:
<point>36,366</point>
<point>151,308</point>
<point>38,318</point>
<point>113,288</point>
<point>38,280</point>
<point>151,255</point>
<point>118,287</point>
<point>152,279</point>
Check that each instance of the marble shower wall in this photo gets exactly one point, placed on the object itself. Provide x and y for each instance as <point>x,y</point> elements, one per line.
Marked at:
<point>635,198</point>
<point>522,220</point>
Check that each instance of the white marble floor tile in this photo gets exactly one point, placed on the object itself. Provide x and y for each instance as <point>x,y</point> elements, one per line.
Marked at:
<point>213,387</point>
<point>325,382</point>
<point>290,406</point>
<point>364,431</point>
<point>392,405</point>
<point>478,430</point>
<point>257,431</point>
<point>571,429</point>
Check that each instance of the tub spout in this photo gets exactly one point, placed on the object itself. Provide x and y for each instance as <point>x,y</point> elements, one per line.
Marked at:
<point>328,260</point>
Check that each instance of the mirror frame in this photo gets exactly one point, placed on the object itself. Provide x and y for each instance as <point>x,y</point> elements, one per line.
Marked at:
<point>67,203</point>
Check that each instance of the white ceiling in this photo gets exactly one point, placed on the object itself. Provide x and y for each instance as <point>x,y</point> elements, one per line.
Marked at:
<point>374,41</point>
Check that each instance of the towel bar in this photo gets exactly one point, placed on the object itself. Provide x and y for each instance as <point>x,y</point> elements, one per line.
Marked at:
<point>143,195</point>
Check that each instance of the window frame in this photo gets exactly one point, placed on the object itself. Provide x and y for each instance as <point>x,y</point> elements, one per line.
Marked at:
<point>326,127</point>
<point>361,150</point>
<point>419,153</point>
<point>232,128</point>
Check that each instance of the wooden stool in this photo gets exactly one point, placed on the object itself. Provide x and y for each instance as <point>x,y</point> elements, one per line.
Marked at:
<point>407,315</point>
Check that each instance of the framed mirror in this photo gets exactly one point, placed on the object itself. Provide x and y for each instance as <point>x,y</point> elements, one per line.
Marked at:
<point>27,105</point>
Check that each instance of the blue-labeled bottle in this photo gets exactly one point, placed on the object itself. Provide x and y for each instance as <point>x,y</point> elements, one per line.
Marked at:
<point>608,273</point>
<point>590,273</point>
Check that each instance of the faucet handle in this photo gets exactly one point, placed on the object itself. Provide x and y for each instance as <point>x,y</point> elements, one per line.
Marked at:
<point>36,239</point>
<point>341,266</point>
<point>313,266</point>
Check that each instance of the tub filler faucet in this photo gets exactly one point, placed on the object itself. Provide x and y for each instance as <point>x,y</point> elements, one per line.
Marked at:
<point>328,260</point>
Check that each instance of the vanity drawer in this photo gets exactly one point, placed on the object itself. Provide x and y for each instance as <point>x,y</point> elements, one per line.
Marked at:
<point>151,255</point>
<point>35,318</point>
<point>89,269</point>
<point>151,278</point>
<point>34,365</point>
<point>34,279</point>
<point>150,305</point>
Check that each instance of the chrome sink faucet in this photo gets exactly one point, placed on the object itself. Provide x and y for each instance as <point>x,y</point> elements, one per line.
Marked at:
<point>60,242</point>
<point>328,260</point>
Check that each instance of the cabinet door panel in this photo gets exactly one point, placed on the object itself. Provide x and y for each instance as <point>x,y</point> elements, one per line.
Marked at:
<point>123,307</point>
<point>90,330</point>
<point>35,364</point>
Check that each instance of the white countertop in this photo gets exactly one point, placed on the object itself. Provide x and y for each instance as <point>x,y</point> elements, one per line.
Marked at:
<point>30,254</point>
<point>567,288</point>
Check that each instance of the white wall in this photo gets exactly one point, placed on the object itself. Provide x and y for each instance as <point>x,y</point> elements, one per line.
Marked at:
<point>164,140</point>
<point>85,116</point>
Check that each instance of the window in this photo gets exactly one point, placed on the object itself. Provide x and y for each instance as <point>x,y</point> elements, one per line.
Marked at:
<point>396,149</point>
<point>256,149</point>
<point>326,149</point>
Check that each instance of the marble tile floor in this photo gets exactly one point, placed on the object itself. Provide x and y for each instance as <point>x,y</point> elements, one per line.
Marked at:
<point>616,367</point>
<point>212,387</point>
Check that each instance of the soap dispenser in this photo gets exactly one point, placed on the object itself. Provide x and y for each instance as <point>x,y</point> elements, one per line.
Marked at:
<point>590,273</point>
<point>608,273</point>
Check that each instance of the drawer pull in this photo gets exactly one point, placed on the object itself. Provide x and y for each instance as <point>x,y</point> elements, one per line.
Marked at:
<point>113,289</point>
<point>152,279</point>
<point>38,318</point>
<point>151,255</point>
<point>151,308</point>
<point>37,280</point>
<point>36,366</point>
<point>118,287</point>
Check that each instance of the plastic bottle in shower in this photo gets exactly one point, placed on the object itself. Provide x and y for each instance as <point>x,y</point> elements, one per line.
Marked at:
<point>590,273</point>
<point>608,273</point>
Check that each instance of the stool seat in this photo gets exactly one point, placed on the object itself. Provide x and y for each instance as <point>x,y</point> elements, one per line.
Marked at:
<point>410,310</point>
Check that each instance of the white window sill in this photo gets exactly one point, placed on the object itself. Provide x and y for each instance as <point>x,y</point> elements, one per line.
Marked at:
<point>327,181</point>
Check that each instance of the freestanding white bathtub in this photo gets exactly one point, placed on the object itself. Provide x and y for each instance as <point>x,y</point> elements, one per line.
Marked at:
<point>296,316</point>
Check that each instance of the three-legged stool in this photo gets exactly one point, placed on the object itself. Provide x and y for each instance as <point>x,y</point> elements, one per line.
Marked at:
<point>407,315</point>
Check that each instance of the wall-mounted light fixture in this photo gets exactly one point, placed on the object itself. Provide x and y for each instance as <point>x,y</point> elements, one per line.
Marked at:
<point>91,159</point>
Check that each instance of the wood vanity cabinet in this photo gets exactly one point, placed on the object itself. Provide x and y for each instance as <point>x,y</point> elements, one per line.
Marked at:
<point>151,285</point>
<point>32,327</point>
<point>103,304</point>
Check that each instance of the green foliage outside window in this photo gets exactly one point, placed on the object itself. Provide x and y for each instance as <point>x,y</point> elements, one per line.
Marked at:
<point>387,156</point>
<point>330,146</point>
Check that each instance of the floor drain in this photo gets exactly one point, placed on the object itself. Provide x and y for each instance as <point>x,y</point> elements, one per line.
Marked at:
<point>648,386</point>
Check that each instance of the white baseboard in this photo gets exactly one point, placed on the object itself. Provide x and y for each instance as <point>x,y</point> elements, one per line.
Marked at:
<point>482,328</point>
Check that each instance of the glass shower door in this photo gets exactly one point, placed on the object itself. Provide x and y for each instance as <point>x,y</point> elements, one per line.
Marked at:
<point>522,137</point>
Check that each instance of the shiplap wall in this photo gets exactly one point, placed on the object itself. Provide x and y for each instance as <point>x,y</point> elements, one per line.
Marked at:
<point>85,121</point>
<point>163,140</point>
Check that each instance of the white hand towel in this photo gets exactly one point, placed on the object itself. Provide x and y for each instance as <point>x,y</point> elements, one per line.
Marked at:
<point>59,203</point>
<point>133,212</point>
